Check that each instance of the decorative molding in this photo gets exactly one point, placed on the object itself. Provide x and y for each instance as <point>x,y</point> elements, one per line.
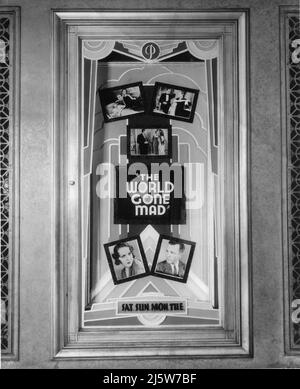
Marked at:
<point>204,49</point>
<point>233,336</point>
<point>150,51</point>
<point>290,70</point>
<point>96,49</point>
<point>5,157</point>
<point>9,134</point>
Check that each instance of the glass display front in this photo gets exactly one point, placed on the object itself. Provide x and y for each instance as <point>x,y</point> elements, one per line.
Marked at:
<point>152,183</point>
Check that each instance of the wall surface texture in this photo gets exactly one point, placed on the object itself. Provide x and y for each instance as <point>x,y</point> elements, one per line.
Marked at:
<point>36,184</point>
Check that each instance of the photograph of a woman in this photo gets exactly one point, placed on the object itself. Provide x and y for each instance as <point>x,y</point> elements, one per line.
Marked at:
<point>123,254</point>
<point>162,143</point>
<point>126,259</point>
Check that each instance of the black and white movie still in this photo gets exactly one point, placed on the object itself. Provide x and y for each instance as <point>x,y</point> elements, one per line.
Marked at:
<point>127,260</point>
<point>173,258</point>
<point>122,101</point>
<point>175,102</point>
<point>147,142</point>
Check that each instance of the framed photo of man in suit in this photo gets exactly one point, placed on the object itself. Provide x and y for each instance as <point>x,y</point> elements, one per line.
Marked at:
<point>173,258</point>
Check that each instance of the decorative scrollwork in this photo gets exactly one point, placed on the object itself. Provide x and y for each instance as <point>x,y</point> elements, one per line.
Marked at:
<point>294,174</point>
<point>4,158</point>
<point>296,52</point>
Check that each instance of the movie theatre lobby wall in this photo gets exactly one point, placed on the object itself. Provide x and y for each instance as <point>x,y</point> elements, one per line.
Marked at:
<point>149,184</point>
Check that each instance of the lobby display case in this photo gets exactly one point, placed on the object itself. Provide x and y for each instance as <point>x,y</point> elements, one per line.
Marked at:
<point>150,216</point>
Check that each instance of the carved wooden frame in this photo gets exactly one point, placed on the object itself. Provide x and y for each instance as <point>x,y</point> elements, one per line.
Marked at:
<point>233,336</point>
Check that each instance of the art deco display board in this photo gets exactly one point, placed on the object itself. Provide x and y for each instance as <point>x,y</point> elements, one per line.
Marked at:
<point>9,40</point>
<point>290,51</point>
<point>150,123</point>
<point>187,152</point>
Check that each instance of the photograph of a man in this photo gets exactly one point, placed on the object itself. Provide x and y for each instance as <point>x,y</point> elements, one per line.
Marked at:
<point>173,258</point>
<point>173,264</point>
<point>143,142</point>
<point>165,100</point>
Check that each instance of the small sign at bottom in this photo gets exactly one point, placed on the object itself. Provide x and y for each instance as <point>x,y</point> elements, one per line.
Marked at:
<point>142,307</point>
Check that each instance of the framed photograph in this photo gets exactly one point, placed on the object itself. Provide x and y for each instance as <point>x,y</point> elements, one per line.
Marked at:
<point>122,101</point>
<point>175,102</point>
<point>126,259</point>
<point>151,143</point>
<point>173,257</point>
